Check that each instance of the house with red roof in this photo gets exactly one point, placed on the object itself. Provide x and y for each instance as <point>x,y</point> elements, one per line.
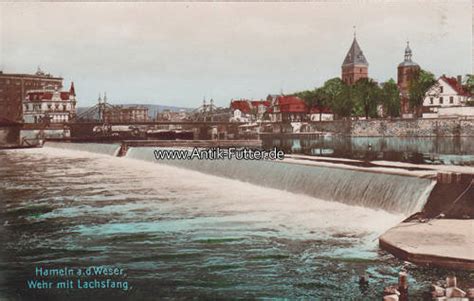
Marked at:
<point>447,98</point>
<point>289,109</point>
<point>49,105</point>
<point>248,110</point>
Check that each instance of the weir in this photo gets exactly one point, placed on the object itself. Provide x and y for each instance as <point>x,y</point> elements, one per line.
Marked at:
<point>111,149</point>
<point>390,192</point>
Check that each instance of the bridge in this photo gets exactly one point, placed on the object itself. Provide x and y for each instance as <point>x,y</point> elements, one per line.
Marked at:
<point>152,123</point>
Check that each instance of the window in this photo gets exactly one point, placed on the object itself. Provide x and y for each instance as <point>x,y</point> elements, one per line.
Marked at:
<point>441,100</point>
<point>431,100</point>
<point>441,89</point>
<point>451,99</point>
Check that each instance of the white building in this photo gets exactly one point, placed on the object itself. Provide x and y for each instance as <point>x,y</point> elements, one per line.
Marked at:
<point>321,114</point>
<point>237,116</point>
<point>447,98</point>
<point>49,105</point>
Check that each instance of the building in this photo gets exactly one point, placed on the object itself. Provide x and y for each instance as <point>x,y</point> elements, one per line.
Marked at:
<point>321,114</point>
<point>49,105</point>
<point>13,89</point>
<point>289,109</point>
<point>248,110</point>
<point>407,70</point>
<point>168,115</point>
<point>355,65</point>
<point>447,98</point>
<point>119,114</point>
<point>241,110</point>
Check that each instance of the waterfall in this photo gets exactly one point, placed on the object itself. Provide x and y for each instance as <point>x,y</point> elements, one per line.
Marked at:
<point>98,148</point>
<point>390,192</point>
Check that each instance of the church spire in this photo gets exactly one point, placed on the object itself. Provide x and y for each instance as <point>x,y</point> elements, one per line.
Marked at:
<point>355,65</point>
<point>408,57</point>
<point>355,56</point>
<point>72,90</point>
<point>408,52</point>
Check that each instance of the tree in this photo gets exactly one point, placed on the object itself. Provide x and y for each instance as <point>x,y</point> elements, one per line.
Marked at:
<point>343,103</point>
<point>314,98</point>
<point>309,97</point>
<point>367,96</point>
<point>338,96</point>
<point>469,83</point>
<point>391,98</point>
<point>468,86</point>
<point>321,100</point>
<point>420,84</point>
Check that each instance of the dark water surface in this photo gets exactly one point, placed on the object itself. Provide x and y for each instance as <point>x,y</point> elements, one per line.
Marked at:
<point>180,234</point>
<point>419,150</point>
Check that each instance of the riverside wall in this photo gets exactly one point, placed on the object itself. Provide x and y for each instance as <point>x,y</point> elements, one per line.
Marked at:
<point>440,127</point>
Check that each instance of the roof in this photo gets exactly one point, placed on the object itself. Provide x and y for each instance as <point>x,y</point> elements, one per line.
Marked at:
<point>72,90</point>
<point>245,105</point>
<point>407,62</point>
<point>355,56</point>
<point>256,103</point>
<point>36,76</point>
<point>292,104</point>
<point>46,95</point>
<point>455,85</point>
<point>283,100</point>
<point>241,105</point>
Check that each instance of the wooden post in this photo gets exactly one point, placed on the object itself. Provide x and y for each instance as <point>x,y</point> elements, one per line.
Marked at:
<point>451,281</point>
<point>403,286</point>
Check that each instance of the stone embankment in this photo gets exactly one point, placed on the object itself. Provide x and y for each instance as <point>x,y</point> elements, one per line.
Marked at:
<point>441,127</point>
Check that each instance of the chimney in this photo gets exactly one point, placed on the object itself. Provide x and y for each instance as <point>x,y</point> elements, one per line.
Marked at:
<point>459,80</point>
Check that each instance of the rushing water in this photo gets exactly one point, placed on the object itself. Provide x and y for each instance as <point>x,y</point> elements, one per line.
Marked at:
<point>183,234</point>
<point>426,150</point>
<point>393,193</point>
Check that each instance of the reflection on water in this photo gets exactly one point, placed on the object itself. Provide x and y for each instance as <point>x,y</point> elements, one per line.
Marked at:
<point>183,234</point>
<point>427,150</point>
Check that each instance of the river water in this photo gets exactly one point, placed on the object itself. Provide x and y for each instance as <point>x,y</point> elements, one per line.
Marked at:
<point>183,234</point>
<point>419,150</point>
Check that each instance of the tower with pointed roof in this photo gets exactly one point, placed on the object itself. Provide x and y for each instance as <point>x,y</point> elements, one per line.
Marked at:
<point>72,90</point>
<point>355,65</point>
<point>406,72</point>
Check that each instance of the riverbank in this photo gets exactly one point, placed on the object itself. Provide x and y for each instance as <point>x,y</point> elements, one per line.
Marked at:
<point>419,127</point>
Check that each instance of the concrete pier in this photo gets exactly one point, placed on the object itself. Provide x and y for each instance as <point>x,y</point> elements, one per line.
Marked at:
<point>446,243</point>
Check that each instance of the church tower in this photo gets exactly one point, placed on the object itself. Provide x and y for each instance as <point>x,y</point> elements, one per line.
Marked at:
<point>406,72</point>
<point>355,65</point>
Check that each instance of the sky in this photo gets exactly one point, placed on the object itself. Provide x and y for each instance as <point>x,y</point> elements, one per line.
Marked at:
<point>179,53</point>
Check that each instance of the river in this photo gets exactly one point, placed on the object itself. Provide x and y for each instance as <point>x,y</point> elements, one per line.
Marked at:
<point>183,234</point>
<point>418,150</point>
